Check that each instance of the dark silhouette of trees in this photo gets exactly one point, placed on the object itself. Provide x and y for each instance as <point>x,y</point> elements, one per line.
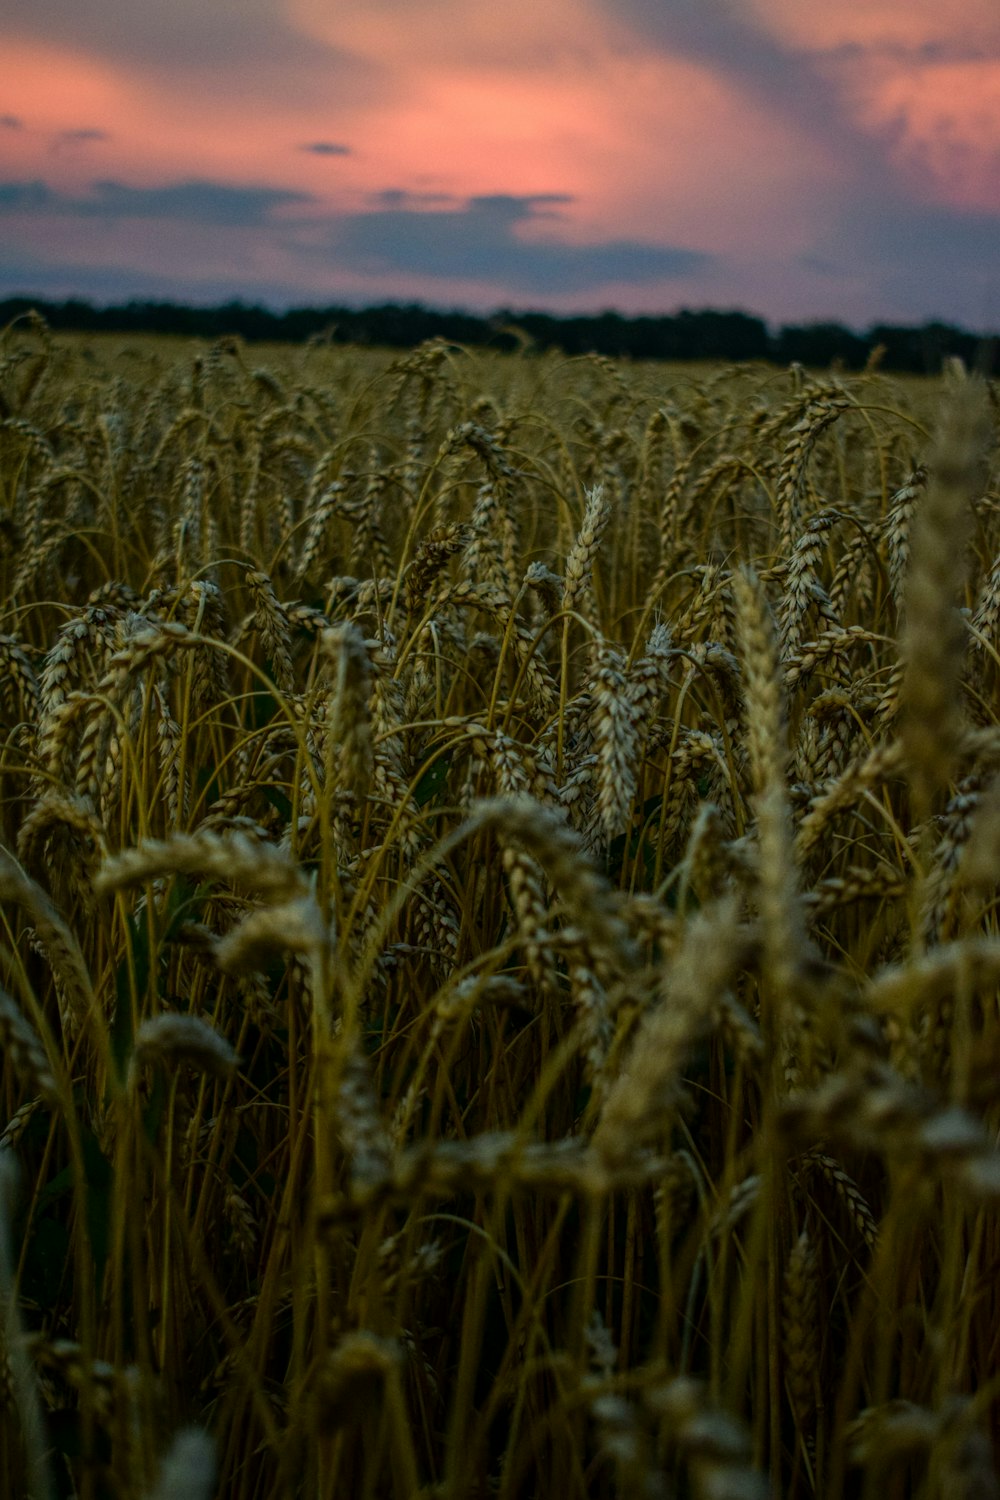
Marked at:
<point>822,344</point>
<point>707,334</point>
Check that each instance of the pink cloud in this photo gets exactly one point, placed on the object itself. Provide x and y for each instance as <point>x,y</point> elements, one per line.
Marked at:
<point>921,78</point>
<point>942,122</point>
<point>658,123</point>
<point>472,104</point>
<point>880,24</point>
<point>153,132</point>
<point>564,97</point>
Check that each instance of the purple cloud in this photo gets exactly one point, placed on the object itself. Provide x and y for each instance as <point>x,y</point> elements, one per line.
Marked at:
<point>326,148</point>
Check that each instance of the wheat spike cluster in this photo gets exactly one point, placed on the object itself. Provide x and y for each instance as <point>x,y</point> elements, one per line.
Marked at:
<point>499,960</point>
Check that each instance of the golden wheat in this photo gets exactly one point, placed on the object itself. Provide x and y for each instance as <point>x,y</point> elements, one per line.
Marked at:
<point>499,976</point>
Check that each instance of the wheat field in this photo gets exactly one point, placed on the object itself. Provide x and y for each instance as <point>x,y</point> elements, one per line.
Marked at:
<point>499,964</point>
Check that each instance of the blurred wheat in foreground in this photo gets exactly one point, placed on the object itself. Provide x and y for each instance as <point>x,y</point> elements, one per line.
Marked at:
<point>499,966</point>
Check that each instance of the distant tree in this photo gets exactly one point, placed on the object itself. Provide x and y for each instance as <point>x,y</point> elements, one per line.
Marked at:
<point>923,350</point>
<point>708,333</point>
<point>821,344</point>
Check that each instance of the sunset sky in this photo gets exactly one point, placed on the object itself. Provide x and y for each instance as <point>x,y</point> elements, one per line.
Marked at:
<point>799,160</point>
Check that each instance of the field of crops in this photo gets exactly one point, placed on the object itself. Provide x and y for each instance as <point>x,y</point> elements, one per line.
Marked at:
<point>499,959</point>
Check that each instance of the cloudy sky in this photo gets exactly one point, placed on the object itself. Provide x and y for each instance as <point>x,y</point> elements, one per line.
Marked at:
<point>799,160</point>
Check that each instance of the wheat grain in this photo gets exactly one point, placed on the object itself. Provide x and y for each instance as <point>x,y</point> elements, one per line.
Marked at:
<point>933,645</point>
<point>188,1468</point>
<point>678,1054</point>
<point>176,1039</point>
<point>644,1095</point>
<point>232,857</point>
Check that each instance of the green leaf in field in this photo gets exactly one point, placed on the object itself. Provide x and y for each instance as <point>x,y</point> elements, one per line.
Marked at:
<point>263,703</point>
<point>56,1188</point>
<point>207,786</point>
<point>152,1115</point>
<point>45,1263</point>
<point>432,783</point>
<point>136,962</point>
<point>98,1173</point>
<point>99,1180</point>
<point>640,843</point>
<point>184,904</point>
<point>277,799</point>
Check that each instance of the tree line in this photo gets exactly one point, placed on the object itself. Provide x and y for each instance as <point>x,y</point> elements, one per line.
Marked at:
<point>685,335</point>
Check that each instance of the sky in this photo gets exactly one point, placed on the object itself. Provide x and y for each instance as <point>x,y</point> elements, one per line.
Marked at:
<point>797,160</point>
